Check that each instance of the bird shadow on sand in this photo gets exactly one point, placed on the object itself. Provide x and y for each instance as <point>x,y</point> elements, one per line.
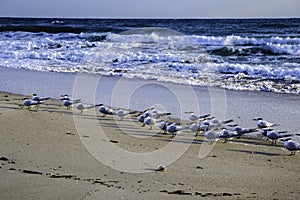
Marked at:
<point>66,112</point>
<point>254,152</point>
<point>255,141</point>
<point>183,140</point>
<point>10,107</point>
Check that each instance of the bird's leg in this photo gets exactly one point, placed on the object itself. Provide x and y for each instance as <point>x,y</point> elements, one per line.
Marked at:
<point>292,153</point>
<point>143,125</point>
<point>150,127</point>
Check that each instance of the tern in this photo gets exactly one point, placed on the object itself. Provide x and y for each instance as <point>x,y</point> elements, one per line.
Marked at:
<point>211,136</point>
<point>31,103</point>
<point>35,97</point>
<point>227,134</point>
<point>150,121</point>
<point>156,114</point>
<point>163,126</point>
<point>81,107</point>
<point>292,145</point>
<point>174,128</point>
<point>274,136</point>
<point>194,117</point>
<point>123,113</point>
<point>199,127</point>
<point>150,117</point>
<point>69,103</point>
<point>213,123</point>
<point>240,130</point>
<point>264,131</point>
<point>104,110</point>
<point>260,123</point>
<point>141,118</point>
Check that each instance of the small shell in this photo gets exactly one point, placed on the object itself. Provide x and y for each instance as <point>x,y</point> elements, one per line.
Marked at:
<point>160,168</point>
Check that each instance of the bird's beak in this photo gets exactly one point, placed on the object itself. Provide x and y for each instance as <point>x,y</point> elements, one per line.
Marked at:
<point>285,139</point>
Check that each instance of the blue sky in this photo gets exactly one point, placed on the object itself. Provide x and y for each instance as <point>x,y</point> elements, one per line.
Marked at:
<point>150,8</point>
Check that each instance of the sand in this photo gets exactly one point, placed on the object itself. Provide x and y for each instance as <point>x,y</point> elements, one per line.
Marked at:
<point>44,156</point>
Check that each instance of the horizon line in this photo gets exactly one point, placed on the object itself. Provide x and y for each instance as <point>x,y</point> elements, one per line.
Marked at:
<point>170,18</point>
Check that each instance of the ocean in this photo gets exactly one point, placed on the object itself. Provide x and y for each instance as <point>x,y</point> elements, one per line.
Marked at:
<point>236,54</point>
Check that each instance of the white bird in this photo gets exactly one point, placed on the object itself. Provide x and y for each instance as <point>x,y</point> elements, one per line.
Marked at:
<point>163,126</point>
<point>64,97</point>
<point>151,117</point>
<point>81,107</point>
<point>150,121</point>
<point>156,114</point>
<point>174,128</point>
<point>264,131</point>
<point>194,117</point>
<point>34,97</point>
<point>199,127</point>
<point>68,103</point>
<point>227,134</point>
<point>123,113</point>
<point>31,103</point>
<point>105,110</point>
<point>141,118</point>
<point>260,123</point>
<point>275,135</point>
<point>240,130</point>
<point>211,136</point>
<point>292,144</point>
<point>212,123</point>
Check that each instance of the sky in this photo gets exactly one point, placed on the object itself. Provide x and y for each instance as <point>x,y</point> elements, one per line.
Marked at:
<point>150,8</point>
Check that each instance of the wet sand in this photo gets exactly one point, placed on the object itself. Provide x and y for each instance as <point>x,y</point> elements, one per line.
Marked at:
<point>43,156</point>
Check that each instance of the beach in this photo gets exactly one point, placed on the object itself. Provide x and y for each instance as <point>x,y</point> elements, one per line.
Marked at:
<point>43,156</point>
<point>232,70</point>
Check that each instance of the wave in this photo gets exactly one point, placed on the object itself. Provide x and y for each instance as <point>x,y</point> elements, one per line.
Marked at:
<point>269,50</point>
<point>204,40</point>
<point>283,79</point>
<point>224,46</point>
<point>153,36</point>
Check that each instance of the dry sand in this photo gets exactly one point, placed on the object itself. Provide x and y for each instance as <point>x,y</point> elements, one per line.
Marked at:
<point>43,157</point>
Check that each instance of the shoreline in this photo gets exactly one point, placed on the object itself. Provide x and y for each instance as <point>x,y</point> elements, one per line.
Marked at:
<point>138,94</point>
<point>71,78</point>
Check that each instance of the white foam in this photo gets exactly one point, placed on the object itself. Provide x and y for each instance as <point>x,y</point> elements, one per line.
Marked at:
<point>171,58</point>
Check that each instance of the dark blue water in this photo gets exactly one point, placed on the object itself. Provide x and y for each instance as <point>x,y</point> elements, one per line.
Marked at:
<point>239,54</point>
